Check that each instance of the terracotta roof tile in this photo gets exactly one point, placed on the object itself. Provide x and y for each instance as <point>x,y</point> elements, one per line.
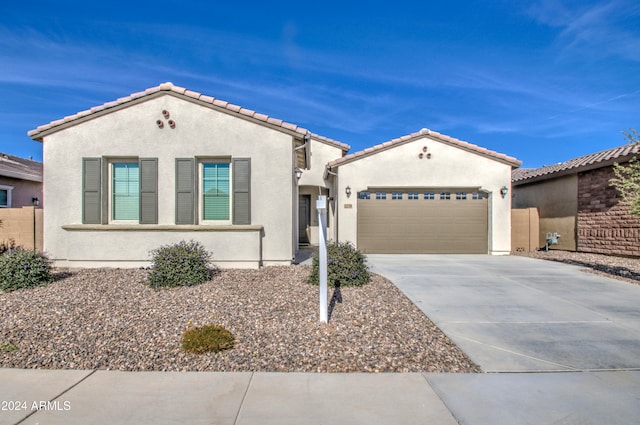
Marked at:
<point>433,135</point>
<point>332,142</point>
<point>575,165</point>
<point>220,103</point>
<point>38,133</point>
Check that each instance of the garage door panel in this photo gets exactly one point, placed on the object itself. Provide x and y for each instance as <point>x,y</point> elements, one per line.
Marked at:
<point>423,226</point>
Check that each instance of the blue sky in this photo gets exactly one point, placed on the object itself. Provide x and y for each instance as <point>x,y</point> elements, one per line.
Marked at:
<point>543,81</point>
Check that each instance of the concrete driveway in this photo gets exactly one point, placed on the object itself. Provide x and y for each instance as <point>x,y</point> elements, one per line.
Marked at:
<point>516,314</point>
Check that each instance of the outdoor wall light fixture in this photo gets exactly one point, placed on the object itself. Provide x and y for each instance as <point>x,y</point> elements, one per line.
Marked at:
<point>347,191</point>
<point>503,191</point>
<point>298,173</point>
<point>35,201</point>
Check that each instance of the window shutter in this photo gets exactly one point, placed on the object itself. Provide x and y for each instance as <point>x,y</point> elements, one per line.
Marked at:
<point>185,190</point>
<point>148,190</point>
<point>91,190</point>
<point>242,191</point>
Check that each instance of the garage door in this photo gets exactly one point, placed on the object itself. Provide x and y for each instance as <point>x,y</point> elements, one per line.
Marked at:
<point>424,221</point>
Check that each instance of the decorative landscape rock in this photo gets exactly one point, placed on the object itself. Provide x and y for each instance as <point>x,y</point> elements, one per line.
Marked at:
<point>107,319</point>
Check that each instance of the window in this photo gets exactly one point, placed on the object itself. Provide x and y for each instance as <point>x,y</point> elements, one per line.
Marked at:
<point>445,195</point>
<point>364,195</point>
<point>216,192</point>
<point>396,196</point>
<point>477,196</point>
<point>213,191</point>
<point>413,195</point>
<point>5,196</point>
<point>381,195</point>
<point>429,195</point>
<point>461,195</point>
<point>125,191</point>
<point>129,193</point>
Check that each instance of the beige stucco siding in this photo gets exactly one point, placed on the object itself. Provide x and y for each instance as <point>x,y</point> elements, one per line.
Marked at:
<point>321,154</point>
<point>313,183</point>
<point>449,167</point>
<point>23,191</point>
<point>199,132</point>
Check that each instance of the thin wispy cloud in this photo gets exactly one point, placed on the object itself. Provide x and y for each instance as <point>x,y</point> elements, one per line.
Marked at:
<point>492,74</point>
<point>593,31</point>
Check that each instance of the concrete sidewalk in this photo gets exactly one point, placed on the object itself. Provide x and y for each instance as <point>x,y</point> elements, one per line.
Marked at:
<point>111,397</point>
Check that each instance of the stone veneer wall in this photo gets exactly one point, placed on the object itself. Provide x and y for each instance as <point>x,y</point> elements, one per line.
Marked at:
<point>604,226</point>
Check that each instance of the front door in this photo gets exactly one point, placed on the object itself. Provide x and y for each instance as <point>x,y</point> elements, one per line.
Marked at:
<point>304,215</point>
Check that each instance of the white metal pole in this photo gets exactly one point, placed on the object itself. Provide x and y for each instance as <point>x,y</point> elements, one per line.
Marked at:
<point>321,206</point>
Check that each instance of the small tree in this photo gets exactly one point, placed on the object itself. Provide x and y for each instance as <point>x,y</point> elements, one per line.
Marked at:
<point>627,177</point>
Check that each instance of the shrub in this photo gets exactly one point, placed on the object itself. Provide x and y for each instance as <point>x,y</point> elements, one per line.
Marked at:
<point>7,246</point>
<point>207,338</point>
<point>22,268</point>
<point>346,266</point>
<point>7,347</point>
<point>181,264</point>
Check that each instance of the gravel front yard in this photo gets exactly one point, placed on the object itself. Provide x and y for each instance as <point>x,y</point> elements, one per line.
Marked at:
<point>107,319</point>
<point>622,268</point>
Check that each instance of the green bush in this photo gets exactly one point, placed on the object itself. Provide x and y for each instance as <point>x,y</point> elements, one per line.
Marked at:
<point>346,266</point>
<point>7,246</point>
<point>181,264</point>
<point>207,338</point>
<point>22,268</point>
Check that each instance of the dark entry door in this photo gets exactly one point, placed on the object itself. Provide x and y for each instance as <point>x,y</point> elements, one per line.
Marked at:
<point>304,215</point>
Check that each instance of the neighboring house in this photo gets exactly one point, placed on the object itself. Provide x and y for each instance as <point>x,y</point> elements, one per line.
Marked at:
<point>169,164</point>
<point>574,199</point>
<point>20,182</point>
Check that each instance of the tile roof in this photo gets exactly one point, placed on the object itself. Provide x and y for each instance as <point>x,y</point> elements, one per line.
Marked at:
<point>20,168</point>
<point>425,132</point>
<point>169,88</point>
<point>329,141</point>
<point>582,163</point>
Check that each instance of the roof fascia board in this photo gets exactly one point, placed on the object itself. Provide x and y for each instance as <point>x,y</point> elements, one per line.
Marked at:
<point>580,169</point>
<point>20,176</point>
<point>330,142</point>
<point>392,144</point>
<point>90,115</point>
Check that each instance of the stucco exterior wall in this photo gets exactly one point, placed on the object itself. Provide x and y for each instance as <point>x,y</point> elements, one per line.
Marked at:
<point>557,203</point>
<point>449,167</point>
<point>23,191</point>
<point>313,183</point>
<point>321,154</point>
<point>199,132</point>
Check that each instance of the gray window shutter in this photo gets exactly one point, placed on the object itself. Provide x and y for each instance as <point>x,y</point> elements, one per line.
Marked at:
<point>242,191</point>
<point>148,190</point>
<point>185,190</point>
<point>91,190</point>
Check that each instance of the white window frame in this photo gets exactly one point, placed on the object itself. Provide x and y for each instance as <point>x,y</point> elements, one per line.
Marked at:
<point>9,189</point>
<point>200,206</point>
<point>110,163</point>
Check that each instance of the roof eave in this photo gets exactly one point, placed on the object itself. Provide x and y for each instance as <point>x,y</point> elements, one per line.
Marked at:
<point>513,162</point>
<point>43,131</point>
<point>21,176</point>
<point>574,170</point>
